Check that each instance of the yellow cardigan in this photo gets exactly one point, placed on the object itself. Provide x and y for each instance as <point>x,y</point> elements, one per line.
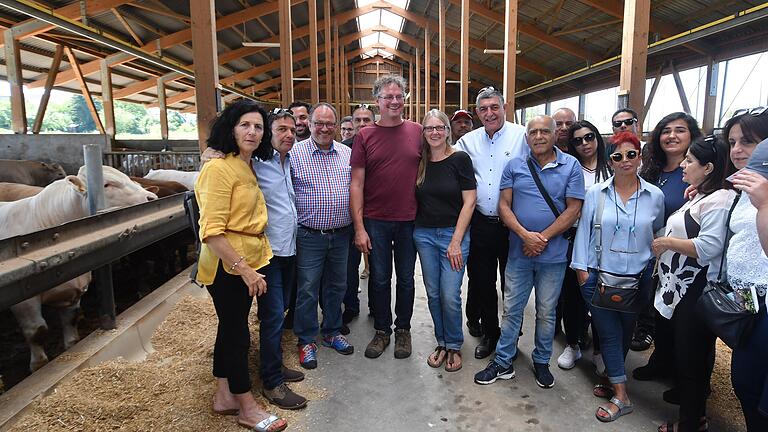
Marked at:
<point>231,204</point>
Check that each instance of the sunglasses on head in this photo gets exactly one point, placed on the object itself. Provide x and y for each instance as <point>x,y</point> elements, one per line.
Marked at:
<point>487,89</point>
<point>363,106</point>
<point>618,156</point>
<point>754,112</point>
<point>577,141</point>
<point>279,111</point>
<point>626,122</point>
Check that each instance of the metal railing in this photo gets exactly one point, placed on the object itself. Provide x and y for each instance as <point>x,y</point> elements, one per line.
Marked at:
<point>139,163</point>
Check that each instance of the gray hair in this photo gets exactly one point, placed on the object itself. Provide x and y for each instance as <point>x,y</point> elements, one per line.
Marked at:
<point>552,123</point>
<point>346,119</point>
<point>323,104</point>
<point>487,93</point>
<point>388,80</point>
<point>567,111</point>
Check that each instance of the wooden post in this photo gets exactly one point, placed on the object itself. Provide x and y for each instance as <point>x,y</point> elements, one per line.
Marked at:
<point>418,85</point>
<point>582,104</point>
<point>207,97</point>
<point>510,57</point>
<point>427,74</point>
<point>84,88</point>
<point>328,61</point>
<point>710,99</point>
<point>163,108</point>
<point>52,72</point>
<point>649,101</point>
<point>286,52</point>
<point>107,101</point>
<point>314,72</point>
<point>464,72</point>
<point>344,85</point>
<point>413,93</point>
<point>680,89</point>
<point>441,83</point>
<point>634,54</point>
<point>16,81</point>
<point>336,66</point>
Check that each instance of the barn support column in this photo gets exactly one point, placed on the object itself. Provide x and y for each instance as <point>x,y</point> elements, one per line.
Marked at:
<point>634,55</point>
<point>108,104</point>
<point>710,100</point>
<point>680,89</point>
<point>328,61</point>
<point>464,86</point>
<point>412,92</point>
<point>582,105</point>
<point>441,82</point>
<point>286,52</point>
<point>161,103</point>
<point>207,94</point>
<point>52,73</point>
<point>13,66</point>
<point>651,95</point>
<point>314,69</point>
<point>427,74</point>
<point>510,59</point>
<point>418,86</point>
<point>336,67</point>
<point>84,88</point>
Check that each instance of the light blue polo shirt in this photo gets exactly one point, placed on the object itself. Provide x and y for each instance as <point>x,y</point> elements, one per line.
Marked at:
<point>563,179</point>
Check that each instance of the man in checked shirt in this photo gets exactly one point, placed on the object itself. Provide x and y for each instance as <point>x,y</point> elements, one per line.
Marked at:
<point>321,174</point>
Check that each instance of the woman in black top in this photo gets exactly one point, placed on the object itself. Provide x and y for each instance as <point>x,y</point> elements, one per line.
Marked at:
<point>446,193</point>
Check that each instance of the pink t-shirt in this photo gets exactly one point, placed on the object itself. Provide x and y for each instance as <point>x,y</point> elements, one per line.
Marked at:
<point>390,156</point>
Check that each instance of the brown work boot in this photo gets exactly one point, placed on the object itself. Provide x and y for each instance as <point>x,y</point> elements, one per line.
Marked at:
<point>377,345</point>
<point>290,375</point>
<point>402,343</point>
<point>284,397</point>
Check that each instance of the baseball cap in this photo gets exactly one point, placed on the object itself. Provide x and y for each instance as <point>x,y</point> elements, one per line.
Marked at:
<point>461,113</point>
<point>758,162</point>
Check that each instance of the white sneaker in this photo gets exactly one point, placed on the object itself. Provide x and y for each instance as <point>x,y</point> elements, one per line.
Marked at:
<point>597,360</point>
<point>568,358</point>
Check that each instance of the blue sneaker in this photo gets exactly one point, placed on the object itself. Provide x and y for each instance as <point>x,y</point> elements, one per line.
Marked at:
<point>339,343</point>
<point>308,356</point>
<point>494,371</point>
<point>543,376</point>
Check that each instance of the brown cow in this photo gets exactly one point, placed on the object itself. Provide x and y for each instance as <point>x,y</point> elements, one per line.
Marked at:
<point>161,188</point>
<point>17,191</point>
<point>31,173</point>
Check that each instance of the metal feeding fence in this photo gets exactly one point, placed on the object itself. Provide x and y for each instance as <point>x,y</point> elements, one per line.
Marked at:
<point>138,164</point>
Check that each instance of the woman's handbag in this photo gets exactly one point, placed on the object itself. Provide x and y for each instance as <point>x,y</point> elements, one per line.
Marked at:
<point>615,292</point>
<point>729,319</point>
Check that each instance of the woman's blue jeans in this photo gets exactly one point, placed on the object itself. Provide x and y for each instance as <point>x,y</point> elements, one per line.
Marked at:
<point>442,282</point>
<point>615,330</point>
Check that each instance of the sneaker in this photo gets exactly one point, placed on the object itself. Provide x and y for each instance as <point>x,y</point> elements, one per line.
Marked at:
<point>543,376</point>
<point>308,356</point>
<point>494,371</point>
<point>377,345</point>
<point>568,358</point>
<point>597,360</point>
<point>402,343</point>
<point>339,343</point>
<point>283,397</point>
<point>641,341</point>
<point>290,375</point>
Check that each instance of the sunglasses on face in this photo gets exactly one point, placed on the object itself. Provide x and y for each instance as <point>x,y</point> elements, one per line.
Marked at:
<point>577,141</point>
<point>626,122</point>
<point>754,112</point>
<point>618,156</point>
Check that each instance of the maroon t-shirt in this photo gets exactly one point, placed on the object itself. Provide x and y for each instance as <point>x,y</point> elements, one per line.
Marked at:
<point>390,156</point>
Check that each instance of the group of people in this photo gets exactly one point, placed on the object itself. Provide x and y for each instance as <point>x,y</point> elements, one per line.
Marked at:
<point>287,211</point>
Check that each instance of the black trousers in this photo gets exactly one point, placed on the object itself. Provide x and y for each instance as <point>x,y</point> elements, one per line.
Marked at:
<point>646,320</point>
<point>488,251</point>
<point>694,356</point>
<point>233,338</point>
<point>574,310</point>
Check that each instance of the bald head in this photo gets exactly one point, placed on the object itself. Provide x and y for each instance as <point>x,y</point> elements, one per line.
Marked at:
<point>564,118</point>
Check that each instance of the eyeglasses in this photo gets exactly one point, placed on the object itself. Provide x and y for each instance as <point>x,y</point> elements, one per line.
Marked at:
<point>429,129</point>
<point>390,98</point>
<point>754,112</point>
<point>577,141</point>
<point>363,106</point>
<point>630,154</point>
<point>320,125</point>
<point>347,129</point>
<point>626,122</point>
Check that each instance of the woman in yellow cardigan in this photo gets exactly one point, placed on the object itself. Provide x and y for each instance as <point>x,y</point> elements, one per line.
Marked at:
<point>235,254</point>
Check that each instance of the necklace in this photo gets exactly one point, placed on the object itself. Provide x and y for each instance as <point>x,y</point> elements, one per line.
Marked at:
<point>616,204</point>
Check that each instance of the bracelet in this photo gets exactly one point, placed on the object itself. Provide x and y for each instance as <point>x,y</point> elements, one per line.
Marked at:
<point>232,267</point>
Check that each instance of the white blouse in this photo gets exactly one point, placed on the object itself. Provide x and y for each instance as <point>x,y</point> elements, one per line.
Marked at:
<point>746,262</point>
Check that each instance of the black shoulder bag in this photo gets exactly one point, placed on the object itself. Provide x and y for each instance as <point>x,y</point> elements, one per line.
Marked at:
<point>570,233</point>
<point>193,216</point>
<point>730,320</point>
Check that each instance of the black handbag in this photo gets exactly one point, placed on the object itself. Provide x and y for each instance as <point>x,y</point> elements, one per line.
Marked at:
<point>614,292</point>
<point>727,318</point>
<point>570,233</point>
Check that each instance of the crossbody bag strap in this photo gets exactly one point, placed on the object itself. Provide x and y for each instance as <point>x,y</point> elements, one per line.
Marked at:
<point>727,235</point>
<point>543,191</point>
<point>597,227</point>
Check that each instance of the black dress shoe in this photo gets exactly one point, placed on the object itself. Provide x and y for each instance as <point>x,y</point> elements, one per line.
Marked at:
<point>475,329</point>
<point>487,347</point>
<point>672,396</point>
<point>645,373</point>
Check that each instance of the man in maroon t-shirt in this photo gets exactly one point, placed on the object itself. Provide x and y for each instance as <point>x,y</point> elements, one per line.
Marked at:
<point>385,161</point>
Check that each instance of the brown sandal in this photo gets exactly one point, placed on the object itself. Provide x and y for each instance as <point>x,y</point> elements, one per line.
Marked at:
<point>452,356</point>
<point>437,358</point>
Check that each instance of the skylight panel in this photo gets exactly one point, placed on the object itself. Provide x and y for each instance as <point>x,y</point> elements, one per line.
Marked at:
<point>377,18</point>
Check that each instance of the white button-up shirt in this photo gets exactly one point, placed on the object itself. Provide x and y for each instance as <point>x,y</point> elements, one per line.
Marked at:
<point>490,155</point>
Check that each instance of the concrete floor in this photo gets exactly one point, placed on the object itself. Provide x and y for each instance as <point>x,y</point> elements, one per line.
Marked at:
<point>408,395</point>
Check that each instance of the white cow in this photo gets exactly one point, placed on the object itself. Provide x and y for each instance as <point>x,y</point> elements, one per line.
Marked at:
<point>60,202</point>
<point>187,178</point>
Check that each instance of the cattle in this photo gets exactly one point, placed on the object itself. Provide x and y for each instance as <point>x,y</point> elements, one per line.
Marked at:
<point>17,191</point>
<point>31,173</point>
<point>60,202</point>
<point>187,178</point>
<point>161,188</point>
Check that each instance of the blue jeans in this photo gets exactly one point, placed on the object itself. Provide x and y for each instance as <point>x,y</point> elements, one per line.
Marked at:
<point>615,329</point>
<point>388,238</point>
<point>321,261</point>
<point>351,300</point>
<point>521,276</point>
<point>270,315</point>
<point>443,283</point>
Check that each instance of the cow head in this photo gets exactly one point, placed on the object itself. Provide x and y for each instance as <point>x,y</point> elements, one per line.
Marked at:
<point>119,190</point>
<point>53,171</point>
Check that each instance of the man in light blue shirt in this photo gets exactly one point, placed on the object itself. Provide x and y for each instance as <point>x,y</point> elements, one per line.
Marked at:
<point>490,148</point>
<point>537,248</point>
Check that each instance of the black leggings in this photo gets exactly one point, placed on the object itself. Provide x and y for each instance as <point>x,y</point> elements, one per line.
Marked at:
<point>233,338</point>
